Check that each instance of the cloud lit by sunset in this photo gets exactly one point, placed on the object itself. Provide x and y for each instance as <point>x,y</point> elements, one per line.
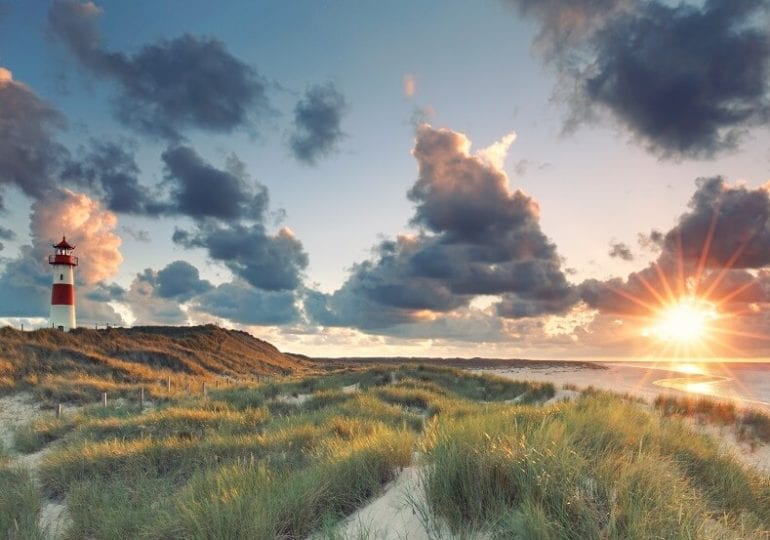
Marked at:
<point>546,206</point>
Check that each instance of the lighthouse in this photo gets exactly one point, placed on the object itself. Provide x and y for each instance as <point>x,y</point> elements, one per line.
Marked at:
<point>63,290</point>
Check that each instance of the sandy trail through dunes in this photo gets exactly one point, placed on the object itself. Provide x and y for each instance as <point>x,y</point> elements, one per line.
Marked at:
<point>15,411</point>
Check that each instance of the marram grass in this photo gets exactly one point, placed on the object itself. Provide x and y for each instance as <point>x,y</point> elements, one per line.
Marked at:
<point>291,458</point>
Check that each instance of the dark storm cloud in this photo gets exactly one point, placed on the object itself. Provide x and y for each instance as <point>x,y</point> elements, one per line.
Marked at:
<point>476,238</point>
<point>7,234</point>
<point>168,86</point>
<point>106,292</point>
<point>619,250</point>
<point>317,118</point>
<point>155,297</point>
<point>241,303</point>
<point>740,218</point>
<point>109,170</point>
<point>180,280</point>
<point>200,190</point>
<point>686,79</point>
<point>712,250</point>
<point>29,154</point>
<point>269,262</point>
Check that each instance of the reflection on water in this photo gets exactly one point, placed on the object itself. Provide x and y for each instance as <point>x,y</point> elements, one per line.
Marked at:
<point>699,388</point>
<point>740,382</point>
<point>695,384</point>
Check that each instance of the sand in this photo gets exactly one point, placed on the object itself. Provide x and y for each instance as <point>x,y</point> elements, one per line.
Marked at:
<point>400,513</point>
<point>394,514</point>
<point>17,410</point>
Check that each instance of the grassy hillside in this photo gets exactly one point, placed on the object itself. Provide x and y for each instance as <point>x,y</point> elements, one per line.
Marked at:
<point>290,459</point>
<point>78,365</point>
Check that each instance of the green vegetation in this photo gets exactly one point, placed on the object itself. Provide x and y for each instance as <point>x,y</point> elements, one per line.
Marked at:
<point>292,457</point>
<point>601,467</point>
<point>19,502</point>
<point>79,366</point>
<point>750,424</point>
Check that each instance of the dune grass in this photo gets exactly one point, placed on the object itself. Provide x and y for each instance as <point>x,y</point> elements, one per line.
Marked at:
<point>601,467</point>
<point>20,502</point>
<point>750,425</point>
<point>259,462</point>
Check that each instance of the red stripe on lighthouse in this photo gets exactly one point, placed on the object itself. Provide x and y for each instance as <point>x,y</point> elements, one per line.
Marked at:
<point>62,294</point>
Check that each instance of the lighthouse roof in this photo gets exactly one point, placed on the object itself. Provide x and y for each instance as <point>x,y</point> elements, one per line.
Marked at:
<point>63,244</point>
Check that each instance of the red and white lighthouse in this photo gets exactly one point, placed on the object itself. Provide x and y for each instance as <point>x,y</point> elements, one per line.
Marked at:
<point>63,291</point>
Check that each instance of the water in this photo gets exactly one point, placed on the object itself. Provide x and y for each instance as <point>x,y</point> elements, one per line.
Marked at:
<point>742,382</point>
<point>745,383</point>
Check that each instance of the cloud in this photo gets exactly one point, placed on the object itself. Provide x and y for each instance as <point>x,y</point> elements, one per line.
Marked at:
<point>147,306</point>
<point>87,225</point>
<point>110,171</point>
<point>28,152</point>
<point>476,237</point>
<point>106,292</point>
<point>6,234</point>
<point>175,294</point>
<point>496,153</point>
<point>168,86</point>
<point>230,211</point>
<point>687,79</point>
<point>316,131</point>
<point>740,218</point>
<point>268,262</point>
<point>652,241</point>
<point>619,250</point>
<point>200,190</point>
<point>26,287</point>
<point>180,280</point>
<point>140,235</point>
<point>410,85</point>
<point>156,297</point>
<point>241,303</point>
<point>719,250</point>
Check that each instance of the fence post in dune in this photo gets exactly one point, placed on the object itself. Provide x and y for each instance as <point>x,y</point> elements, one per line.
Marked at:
<point>168,386</point>
<point>59,410</point>
<point>204,390</point>
<point>104,399</point>
<point>141,398</point>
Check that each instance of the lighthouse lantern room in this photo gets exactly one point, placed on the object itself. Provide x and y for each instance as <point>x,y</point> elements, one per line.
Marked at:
<point>63,290</point>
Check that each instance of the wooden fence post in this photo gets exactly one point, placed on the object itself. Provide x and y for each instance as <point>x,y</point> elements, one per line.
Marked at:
<point>204,389</point>
<point>104,399</point>
<point>59,410</point>
<point>168,385</point>
<point>141,398</point>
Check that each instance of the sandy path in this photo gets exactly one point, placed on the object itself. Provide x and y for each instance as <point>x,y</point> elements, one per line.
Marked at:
<point>393,515</point>
<point>15,411</point>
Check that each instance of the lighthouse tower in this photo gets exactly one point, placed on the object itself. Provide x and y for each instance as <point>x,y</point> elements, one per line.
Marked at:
<point>63,291</point>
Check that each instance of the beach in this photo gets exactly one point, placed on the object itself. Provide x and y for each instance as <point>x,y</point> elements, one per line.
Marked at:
<point>745,383</point>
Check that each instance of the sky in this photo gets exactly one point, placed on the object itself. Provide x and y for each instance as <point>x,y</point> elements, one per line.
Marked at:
<point>504,178</point>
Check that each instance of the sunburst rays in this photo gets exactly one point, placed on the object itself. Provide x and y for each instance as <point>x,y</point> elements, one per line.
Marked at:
<point>683,307</point>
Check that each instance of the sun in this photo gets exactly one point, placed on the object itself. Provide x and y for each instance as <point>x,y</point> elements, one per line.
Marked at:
<point>687,321</point>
